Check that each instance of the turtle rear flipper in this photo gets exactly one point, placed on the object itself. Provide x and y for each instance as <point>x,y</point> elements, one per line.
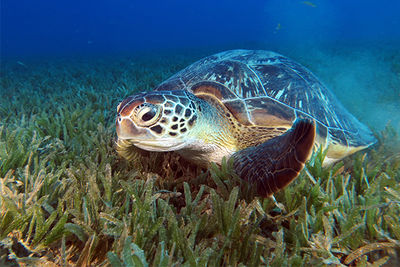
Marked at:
<point>276,163</point>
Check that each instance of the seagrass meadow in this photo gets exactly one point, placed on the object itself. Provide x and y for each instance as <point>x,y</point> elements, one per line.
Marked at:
<point>68,199</point>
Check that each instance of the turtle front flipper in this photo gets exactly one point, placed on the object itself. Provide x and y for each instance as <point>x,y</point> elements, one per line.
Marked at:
<point>274,164</point>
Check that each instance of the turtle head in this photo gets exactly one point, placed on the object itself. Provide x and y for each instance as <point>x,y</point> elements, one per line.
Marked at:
<point>157,121</point>
<point>173,121</point>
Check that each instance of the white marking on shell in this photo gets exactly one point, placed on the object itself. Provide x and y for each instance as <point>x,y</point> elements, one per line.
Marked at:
<point>280,93</point>
<point>213,77</point>
<point>300,104</point>
<point>323,97</point>
<point>230,82</point>
<point>248,113</point>
<point>326,119</point>
<point>257,81</point>
<point>289,87</point>
<point>184,84</point>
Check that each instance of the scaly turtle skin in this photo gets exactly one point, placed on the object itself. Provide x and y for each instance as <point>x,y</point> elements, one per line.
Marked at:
<point>261,108</point>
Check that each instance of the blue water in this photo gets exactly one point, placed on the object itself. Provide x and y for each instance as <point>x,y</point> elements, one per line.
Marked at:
<point>352,45</point>
<point>104,26</point>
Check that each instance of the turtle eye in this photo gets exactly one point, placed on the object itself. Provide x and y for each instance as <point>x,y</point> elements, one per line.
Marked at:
<point>147,114</point>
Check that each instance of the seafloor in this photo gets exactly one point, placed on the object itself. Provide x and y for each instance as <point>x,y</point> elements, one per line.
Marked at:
<point>67,198</point>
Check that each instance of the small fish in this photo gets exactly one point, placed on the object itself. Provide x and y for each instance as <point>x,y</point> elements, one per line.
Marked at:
<point>21,63</point>
<point>308,3</point>
<point>277,28</point>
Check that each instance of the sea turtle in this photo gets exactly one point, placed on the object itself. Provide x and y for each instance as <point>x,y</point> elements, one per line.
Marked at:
<point>259,107</point>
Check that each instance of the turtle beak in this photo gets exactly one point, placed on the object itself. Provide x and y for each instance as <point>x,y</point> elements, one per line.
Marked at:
<point>126,129</point>
<point>142,138</point>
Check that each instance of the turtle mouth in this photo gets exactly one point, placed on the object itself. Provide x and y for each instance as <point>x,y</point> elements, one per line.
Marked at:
<point>127,148</point>
<point>129,134</point>
<point>162,145</point>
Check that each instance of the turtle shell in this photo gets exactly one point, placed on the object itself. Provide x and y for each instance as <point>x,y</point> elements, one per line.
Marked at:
<point>263,88</point>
